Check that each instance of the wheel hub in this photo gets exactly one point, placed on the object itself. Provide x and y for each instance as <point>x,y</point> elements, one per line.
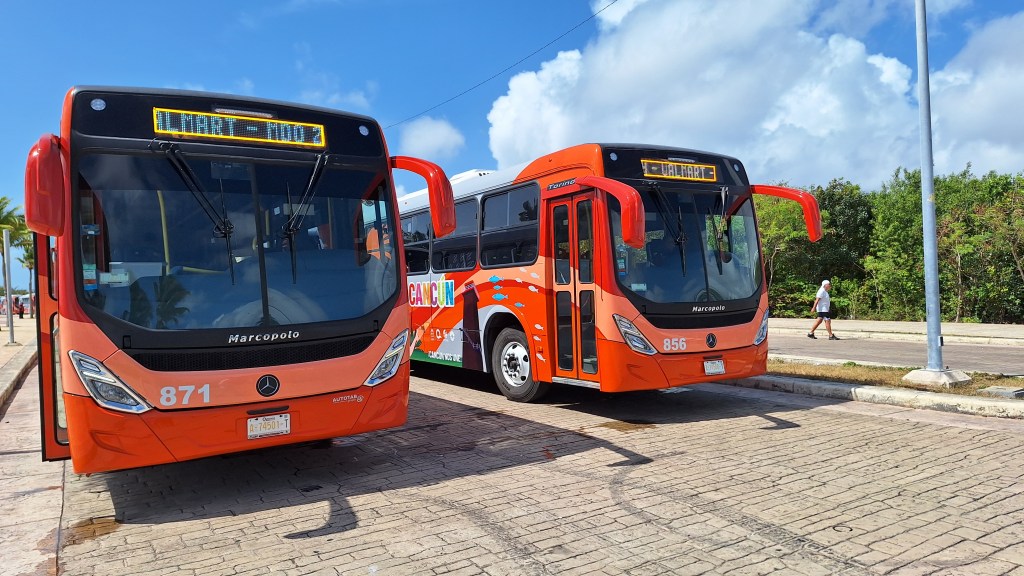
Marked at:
<point>515,364</point>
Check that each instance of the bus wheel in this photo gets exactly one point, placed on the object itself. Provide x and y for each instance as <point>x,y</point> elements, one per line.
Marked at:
<point>511,366</point>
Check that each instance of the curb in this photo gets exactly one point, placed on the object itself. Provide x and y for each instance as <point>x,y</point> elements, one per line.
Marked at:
<point>15,370</point>
<point>998,407</point>
<point>833,361</point>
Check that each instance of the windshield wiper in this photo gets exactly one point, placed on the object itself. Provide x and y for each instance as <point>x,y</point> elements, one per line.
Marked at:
<point>678,235</point>
<point>720,232</point>
<point>294,222</point>
<point>222,226</point>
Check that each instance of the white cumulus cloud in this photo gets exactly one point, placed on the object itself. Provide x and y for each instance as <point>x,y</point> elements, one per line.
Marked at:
<point>976,102</point>
<point>432,138</point>
<point>794,103</point>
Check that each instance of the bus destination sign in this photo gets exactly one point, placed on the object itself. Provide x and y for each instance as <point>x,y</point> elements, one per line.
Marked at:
<point>679,170</point>
<point>190,124</point>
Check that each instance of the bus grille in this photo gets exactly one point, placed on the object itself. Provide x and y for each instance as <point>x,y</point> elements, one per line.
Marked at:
<point>666,321</point>
<point>195,359</point>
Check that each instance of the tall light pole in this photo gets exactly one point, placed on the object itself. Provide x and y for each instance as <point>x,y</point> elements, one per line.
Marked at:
<point>934,374</point>
<point>7,285</point>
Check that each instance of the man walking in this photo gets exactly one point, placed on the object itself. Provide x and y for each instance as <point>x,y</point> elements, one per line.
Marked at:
<point>822,305</point>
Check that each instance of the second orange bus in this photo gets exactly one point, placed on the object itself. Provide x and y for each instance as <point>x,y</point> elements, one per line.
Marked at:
<point>608,266</point>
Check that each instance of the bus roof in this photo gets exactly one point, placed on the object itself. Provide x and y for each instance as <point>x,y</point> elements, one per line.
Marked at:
<point>478,181</point>
<point>463,184</point>
<point>214,95</point>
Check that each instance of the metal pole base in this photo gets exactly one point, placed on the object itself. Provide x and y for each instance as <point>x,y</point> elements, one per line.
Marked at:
<point>938,378</point>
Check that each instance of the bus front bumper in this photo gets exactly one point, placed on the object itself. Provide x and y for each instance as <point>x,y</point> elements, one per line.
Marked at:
<point>103,440</point>
<point>624,370</point>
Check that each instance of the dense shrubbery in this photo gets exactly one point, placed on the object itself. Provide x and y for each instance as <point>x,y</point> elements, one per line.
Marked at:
<point>873,249</point>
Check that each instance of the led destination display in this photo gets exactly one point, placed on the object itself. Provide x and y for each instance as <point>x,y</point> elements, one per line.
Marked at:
<point>679,170</point>
<point>191,124</point>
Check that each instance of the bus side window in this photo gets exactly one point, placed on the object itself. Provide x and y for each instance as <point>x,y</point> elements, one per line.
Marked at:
<point>457,251</point>
<point>509,230</point>
<point>416,231</point>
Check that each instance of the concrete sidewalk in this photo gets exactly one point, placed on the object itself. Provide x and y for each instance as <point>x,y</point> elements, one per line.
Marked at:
<point>987,334</point>
<point>30,489</point>
<point>16,359</point>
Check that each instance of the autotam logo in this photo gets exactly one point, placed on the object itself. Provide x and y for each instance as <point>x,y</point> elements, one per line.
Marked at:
<point>265,337</point>
<point>348,398</point>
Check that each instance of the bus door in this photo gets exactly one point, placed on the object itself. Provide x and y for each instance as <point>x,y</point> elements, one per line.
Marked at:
<point>51,394</point>
<point>575,289</point>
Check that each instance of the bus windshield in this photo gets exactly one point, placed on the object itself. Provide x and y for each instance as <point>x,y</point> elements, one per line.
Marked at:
<point>150,256</point>
<point>701,245</point>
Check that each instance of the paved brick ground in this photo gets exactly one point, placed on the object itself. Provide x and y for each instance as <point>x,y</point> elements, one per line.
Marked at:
<point>715,480</point>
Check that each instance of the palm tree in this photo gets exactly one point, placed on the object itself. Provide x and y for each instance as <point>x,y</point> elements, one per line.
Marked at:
<point>20,235</point>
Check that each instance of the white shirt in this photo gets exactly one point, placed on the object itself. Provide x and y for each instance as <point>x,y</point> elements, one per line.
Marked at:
<point>824,300</point>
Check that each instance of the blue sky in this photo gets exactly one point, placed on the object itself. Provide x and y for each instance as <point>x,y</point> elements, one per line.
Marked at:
<point>802,91</point>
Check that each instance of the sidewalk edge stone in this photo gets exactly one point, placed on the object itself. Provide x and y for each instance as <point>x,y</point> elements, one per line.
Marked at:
<point>16,369</point>
<point>998,407</point>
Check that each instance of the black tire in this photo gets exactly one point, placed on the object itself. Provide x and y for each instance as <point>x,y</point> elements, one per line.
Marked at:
<point>512,368</point>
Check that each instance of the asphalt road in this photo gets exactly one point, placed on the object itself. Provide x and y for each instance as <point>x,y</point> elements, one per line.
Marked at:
<point>1007,360</point>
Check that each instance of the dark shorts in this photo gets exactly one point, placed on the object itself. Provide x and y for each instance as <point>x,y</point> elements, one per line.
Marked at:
<point>825,315</point>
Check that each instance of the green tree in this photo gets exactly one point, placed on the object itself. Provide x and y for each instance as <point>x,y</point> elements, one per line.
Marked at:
<point>980,236</point>
<point>20,235</point>
<point>895,266</point>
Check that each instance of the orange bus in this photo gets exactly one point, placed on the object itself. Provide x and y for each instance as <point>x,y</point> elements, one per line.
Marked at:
<point>610,266</point>
<point>216,274</point>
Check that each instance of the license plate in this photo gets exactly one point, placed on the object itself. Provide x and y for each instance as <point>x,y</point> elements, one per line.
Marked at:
<point>275,425</point>
<point>714,367</point>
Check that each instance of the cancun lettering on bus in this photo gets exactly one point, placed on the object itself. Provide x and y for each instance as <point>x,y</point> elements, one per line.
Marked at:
<point>437,294</point>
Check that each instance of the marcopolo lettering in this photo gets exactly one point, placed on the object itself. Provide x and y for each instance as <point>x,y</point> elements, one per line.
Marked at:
<point>264,337</point>
<point>719,308</point>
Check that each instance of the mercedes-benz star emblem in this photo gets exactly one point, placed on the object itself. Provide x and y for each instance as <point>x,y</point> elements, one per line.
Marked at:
<point>268,385</point>
<point>712,340</point>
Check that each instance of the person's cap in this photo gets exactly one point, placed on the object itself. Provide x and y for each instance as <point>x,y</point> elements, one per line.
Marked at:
<point>826,283</point>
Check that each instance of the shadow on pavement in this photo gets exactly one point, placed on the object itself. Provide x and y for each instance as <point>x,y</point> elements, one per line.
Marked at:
<point>642,408</point>
<point>442,440</point>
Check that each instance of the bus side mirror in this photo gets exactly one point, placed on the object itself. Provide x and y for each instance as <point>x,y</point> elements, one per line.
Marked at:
<point>812,214</point>
<point>442,201</point>
<point>633,215</point>
<point>44,187</point>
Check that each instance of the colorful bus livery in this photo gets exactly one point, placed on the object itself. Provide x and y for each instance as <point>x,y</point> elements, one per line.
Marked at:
<point>216,274</point>
<point>614,267</point>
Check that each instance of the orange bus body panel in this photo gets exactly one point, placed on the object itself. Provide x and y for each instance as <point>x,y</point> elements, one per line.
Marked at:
<point>623,370</point>
<point>324,399</point>
<point>103,440</point>
<point>54,441</point>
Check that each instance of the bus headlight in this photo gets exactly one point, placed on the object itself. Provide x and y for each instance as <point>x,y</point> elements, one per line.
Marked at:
<point>388,365</point>
<point>762,332</point>
<point>105,388</point>
<point>633,337</point>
